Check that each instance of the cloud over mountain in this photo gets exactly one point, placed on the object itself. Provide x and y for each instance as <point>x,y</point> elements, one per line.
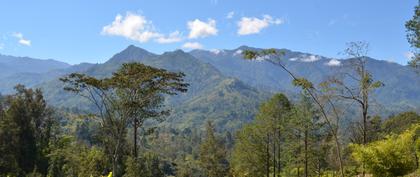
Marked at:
<point>138,28</point>
<point>201,29</point>
<point>253,25</point>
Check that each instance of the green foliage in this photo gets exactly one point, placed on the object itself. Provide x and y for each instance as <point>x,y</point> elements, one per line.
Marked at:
<point>213,155</point>
<point>303,83</point>
<point>71,158</point>
<point>148,165</point>
<point>401,122</point>
<point>27,126</point>
<point>249,156</point>
<point>394,156</point>
<point>413,36</point>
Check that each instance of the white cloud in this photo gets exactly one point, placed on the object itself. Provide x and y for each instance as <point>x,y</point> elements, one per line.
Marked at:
<point>237,52</point>
<point>409,55</point>
<point>253,25</point>
<point>217,51</point>
<point>192,45</point>
<point>136,27</point>
<point>21,39</point>
<point>306,58</point>
<point>171,38</point>
<point>132,26</point>
<point>311,58</point>
<point>333,62</point>
<point>230,15</point>
<point>200,29</point>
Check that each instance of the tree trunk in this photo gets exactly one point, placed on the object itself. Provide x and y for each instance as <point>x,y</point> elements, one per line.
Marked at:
<point>135,138</point>
<point>274,154</point>
<point>268,155</point>
<point>279,154</point>
<point>306,152</point>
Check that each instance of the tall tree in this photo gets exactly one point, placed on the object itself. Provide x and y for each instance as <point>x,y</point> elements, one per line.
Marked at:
<point>213,154</point>
<point>258,149</point>
<point>132,95</point>
<point>26,128</point>
<point>413,36</point>
<point>356,83</point>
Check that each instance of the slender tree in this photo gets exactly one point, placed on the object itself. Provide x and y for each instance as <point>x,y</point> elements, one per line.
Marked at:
<point>273,56</point>
<point>213,155</point>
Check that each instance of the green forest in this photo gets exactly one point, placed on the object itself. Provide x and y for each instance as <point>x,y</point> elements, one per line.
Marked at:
<point>119,126</point>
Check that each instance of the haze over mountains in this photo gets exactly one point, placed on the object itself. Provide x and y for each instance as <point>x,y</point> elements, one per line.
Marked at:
<point>224,87</point>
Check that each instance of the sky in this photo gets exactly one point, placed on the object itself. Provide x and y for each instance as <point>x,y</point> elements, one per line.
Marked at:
<point>76,31</point>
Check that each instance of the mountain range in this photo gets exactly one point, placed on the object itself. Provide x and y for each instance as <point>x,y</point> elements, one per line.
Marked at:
<point>223,88</point>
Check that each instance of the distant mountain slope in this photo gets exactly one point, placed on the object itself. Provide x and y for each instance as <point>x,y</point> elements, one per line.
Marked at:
<point>402,85</point>
<point>225,88</point>
<point>211,95</point>
<point>32,79</point>
<point>10,65</point>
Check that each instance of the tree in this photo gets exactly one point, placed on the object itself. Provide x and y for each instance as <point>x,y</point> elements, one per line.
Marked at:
<point>308,133</point>
<point>133,94</point>
<point>213,155</point>
<point>27,125</point>
<point>258,149</point>
<point>356,84</point>
<point>394,156</point>
<point>413,36</point>
<point>326,106</point>
<point>142,89</point>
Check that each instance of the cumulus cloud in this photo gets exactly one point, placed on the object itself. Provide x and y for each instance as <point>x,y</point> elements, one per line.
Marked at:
<point>333,62</point>
<point>138,28</point>
<point>21,39</point>
<point>171,38</point>
<point>192,45</point>
<point>230,15</point>
<point>253,25</point>
<point>132,26</point>
<point>200,29</point>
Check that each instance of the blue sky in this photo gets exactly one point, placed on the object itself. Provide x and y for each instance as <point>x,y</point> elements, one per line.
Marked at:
<point>92,31</point>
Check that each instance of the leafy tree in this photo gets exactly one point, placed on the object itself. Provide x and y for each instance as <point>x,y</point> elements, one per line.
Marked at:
<point>132,94</point>
<point>213,155</point>
<point>413,36</point>
<point>27,125</point>
<point>394,156</point>
<point>258,147</point>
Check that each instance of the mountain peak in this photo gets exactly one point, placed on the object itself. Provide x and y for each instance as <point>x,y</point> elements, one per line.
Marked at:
<point>131,53</point>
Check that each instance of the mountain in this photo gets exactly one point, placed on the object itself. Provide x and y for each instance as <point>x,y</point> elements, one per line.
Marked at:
<point>224,88</point>
<point>10,65</point>
<point>31,79</point>
<point>401,90</point>
<point>211,95</point>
